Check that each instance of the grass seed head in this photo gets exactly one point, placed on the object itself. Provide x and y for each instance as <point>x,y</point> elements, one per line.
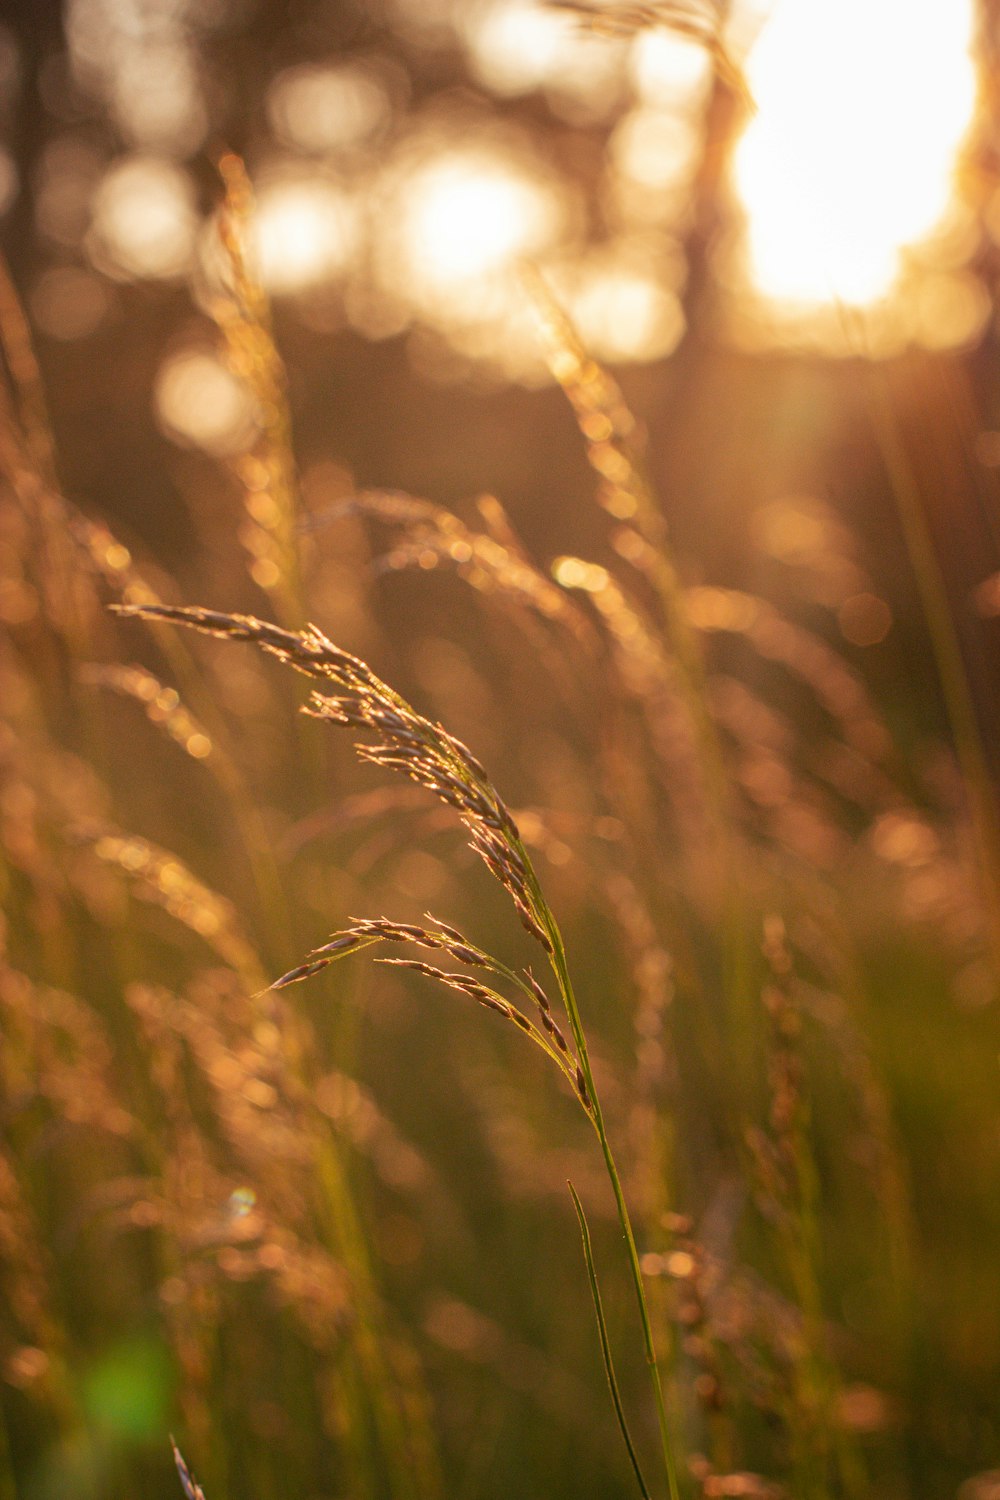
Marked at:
<point>405,741</point>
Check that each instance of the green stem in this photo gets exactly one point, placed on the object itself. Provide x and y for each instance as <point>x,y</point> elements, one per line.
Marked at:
<point>561,971</point>
<point>602,1330</point>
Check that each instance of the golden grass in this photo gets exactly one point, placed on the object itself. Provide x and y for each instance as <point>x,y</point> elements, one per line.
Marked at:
<point>195,1146</point>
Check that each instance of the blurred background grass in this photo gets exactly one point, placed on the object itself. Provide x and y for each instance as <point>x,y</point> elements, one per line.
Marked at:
<point>327,1242</point>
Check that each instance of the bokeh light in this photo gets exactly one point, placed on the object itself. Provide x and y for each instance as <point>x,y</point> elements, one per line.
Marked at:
<point>423,172</point>
<point>470,213</point>
<point>144,219</point>
<point>201,403</point>
<point>670,70</point>
<point>850,156</point>
<point>390,216</point>
<point>325,109</point>
<point>622,301</point>
<point>864,619</point>
<point>656,149</point>
<point>156,98</point>
<point>517,46</point>
<point>949,309</point>
<point>139,56</point>
<point>306,231</point>
<point>455,222</point>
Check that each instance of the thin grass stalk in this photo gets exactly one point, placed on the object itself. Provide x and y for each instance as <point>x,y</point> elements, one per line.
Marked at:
<point>268,471</point>
<point>561,971</point>
<point>702,23</point>
<point>272,901</point>
<point>602,1330</point>
<point>411,1473</point>
<point>192,1489</point>
<point>857,1066</point>
<point>27,449</point>
<point>382,1422</point>
<point>409,1452</point>
<point>819,1439</point>
<point>591,1100</point>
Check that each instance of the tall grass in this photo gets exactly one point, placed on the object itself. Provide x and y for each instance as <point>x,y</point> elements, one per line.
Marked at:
<point>338,1255</point>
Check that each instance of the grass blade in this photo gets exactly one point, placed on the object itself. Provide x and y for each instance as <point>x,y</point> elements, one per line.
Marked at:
<point>602,1329</point>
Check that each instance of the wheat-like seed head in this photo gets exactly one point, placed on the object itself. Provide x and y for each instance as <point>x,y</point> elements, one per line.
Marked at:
<point>441,938</point>
<point>427,754</point>
<point>405,741</point>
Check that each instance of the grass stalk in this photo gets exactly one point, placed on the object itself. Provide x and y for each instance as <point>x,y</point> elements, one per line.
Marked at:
<point>561,971</point>
<point>602,1330</point>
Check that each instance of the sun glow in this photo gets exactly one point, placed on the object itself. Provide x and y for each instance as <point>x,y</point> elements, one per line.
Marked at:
<point>306,232</point>
<point>850,158</point>
<point>473,215</point>
<point>463,216</point>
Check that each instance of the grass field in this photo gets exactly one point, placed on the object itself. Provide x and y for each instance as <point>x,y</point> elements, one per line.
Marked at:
<point>482,1020</point>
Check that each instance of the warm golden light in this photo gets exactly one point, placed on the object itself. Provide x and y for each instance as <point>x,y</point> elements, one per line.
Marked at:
<point>470,217</point>
<point>465,216</point>
<point>156,98</point>
<point>324,109</point>
<point>144,219</point>
<point>670,70</point>
<point>516,46</point>
<point>849,160</point>
<point>140,57</point>
<point>306,231</point>
<point>201,403</point>
<point>623,311</point>
<point>656,150</point>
